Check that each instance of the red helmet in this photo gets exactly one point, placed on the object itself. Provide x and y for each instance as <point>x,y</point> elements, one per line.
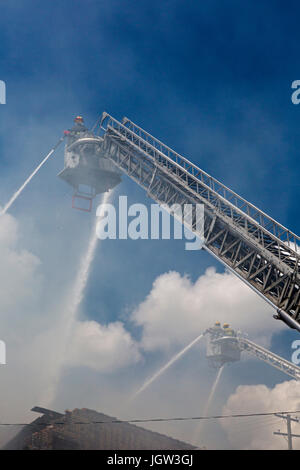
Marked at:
<point>78,119</point>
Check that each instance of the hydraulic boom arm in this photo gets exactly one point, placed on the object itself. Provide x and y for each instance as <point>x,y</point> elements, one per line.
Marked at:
<point>270,358</point>
<point>259,250</point>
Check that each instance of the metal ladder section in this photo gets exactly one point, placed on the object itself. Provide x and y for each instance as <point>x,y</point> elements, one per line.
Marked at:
<point>270,358</point>
<point>259,250</point>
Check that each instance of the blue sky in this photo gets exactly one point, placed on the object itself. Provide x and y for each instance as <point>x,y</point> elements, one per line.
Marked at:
<point>210,79</point>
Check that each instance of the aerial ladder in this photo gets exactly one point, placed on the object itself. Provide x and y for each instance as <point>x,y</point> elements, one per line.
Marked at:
<point>256,248</point>
<point>225,348</point>
<point>270,358</point>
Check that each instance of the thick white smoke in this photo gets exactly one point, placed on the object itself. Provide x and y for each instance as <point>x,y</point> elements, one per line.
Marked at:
<point>177,309</point>
<point>257,432</point>
<point>86,343</point>
<point>104,348</point>
<point>171,316</point>
<point>36,328</point>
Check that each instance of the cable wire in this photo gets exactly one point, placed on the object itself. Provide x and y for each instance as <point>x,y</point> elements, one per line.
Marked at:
<point>155,420</point>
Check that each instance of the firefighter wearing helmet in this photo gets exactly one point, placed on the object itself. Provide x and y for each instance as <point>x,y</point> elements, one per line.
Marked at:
<point>228,331</point>
<point>216,330</point>
<point>77,131</point>
<point>79,125</point>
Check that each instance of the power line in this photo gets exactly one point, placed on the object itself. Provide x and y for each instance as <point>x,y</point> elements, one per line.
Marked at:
<point>155,420</point>
<point>253,424</point>
<point>289,433</point>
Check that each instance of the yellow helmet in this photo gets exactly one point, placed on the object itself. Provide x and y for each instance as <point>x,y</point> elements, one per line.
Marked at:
<point>226,325</point>
<point>217,323</point>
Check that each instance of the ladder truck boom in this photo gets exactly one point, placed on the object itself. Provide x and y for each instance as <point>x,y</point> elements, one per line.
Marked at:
<point>270,358</point>
<point>259,250</point>
<point>224,346</point>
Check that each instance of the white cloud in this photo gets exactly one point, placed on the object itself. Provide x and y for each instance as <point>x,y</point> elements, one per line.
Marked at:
<point>8,230</point>
<point>177,310</point>
<point>19,274</point>
<point>257,433</point>
<point>21,283</point>
<point>103,348</point>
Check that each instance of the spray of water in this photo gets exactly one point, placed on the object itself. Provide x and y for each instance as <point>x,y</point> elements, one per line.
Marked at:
<point>212,392</point>
<point>27,181</point>
<point>70,313</point>
<point>208,403</point>
<point>166,366</point>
